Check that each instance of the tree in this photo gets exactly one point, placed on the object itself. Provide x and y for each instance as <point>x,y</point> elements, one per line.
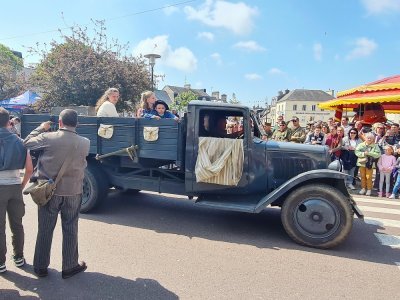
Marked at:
<point>10,73</point>
<point>182,100</point>
<point>79,69</point>
<point>233,100</point>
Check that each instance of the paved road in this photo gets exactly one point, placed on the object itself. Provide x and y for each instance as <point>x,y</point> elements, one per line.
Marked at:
<point>154,246</point>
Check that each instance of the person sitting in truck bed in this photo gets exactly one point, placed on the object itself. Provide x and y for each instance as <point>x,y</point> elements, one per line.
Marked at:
<point>105,106</point>
<point>146,106</point>
<point>161,112</point>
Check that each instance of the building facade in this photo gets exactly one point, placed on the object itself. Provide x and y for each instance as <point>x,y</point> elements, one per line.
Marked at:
<point>300,103</point>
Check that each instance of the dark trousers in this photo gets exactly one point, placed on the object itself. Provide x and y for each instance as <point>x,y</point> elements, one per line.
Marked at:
<point>68,206</point>
<point>12,203</point>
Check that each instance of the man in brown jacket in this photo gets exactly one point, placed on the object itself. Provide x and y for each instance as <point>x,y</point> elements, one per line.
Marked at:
<point>55,147</point>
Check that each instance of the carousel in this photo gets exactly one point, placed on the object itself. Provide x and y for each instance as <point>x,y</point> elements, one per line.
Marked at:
<point>367,103</point>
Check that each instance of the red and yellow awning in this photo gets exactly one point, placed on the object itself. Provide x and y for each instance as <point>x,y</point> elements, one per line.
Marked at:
<point>382,91</point>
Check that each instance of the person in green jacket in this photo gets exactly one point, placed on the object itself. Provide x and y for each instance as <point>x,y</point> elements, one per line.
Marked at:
<point>367,152</point>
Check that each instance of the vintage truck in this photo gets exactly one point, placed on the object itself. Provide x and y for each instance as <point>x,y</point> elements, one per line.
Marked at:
<point>236,171</point>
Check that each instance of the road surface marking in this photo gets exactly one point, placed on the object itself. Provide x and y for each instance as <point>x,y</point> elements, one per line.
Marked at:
<point>382,222</point>
<point>378,201</point>
<point>388,240</point>
<point>380,210</point>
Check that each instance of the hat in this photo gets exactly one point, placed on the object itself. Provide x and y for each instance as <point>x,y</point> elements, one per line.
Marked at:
<point>161,102</point>
<point>282,123</point>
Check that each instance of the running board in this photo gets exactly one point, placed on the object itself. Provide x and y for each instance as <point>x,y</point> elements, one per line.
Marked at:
<point>232,203</point>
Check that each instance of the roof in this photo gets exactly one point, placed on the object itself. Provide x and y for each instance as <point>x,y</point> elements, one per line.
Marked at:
<point>162,95</point>
<point>178,90</point>
<point>216,104</point>
<point>306,95</point>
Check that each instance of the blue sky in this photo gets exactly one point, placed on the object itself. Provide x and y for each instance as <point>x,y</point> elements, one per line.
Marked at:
<point>250,48</point>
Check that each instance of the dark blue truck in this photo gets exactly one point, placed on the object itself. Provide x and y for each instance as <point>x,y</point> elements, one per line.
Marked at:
<point>163,156</point>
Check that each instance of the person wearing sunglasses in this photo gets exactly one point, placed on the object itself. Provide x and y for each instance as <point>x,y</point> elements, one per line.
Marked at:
<point>349,158</point>
<point>298,134</point>
<point>282,134</point>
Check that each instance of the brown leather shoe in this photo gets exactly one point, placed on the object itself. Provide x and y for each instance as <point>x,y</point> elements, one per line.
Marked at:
<point>75,270</point>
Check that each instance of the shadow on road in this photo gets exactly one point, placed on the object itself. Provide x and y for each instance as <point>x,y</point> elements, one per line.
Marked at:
<point>167,214</point>
<point>88,285</point>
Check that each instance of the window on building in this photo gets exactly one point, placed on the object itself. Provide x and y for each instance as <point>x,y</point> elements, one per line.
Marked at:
<point>304,107</point>
<point>313,107</point>
<point>294,107</point>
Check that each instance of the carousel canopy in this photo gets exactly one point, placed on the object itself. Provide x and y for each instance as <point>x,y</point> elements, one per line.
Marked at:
<point>382,91</point>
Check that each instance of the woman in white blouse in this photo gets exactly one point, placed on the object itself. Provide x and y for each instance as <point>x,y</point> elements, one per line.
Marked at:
<point>105,106</point>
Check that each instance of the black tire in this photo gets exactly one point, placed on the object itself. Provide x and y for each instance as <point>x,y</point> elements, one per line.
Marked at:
<point>317,215</point>
<point>95,187</point>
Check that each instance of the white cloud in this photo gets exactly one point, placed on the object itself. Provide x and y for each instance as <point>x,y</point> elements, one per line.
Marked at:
<point>236,17</point>
<point>180,58</point>
<point>206,35</point>
<point>169,10</point>
<point>252,76</point>
<point>375,7</point>
<point>217,57</point>
<point>380,76</point>
<point>249,46</point>
<point>275,71</point>
<point>317,49</point>
<point>363,47</point>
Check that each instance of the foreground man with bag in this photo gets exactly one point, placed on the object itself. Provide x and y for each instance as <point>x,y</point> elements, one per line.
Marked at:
<point>64,145</point>
<point>13,157</point>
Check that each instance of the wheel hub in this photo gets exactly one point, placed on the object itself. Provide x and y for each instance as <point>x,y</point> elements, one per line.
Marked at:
<point>316,217</point>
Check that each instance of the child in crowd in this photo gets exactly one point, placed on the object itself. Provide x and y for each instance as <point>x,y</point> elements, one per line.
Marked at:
<point>386,163</point>
<point>161,112</point>
<point>396,186</point>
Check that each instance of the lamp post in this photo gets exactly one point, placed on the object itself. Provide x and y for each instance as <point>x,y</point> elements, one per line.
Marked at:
<point>152,62</point>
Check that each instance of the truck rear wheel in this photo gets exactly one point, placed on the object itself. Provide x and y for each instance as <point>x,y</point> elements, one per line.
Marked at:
<point>317,215</point>
<point>95,187</point>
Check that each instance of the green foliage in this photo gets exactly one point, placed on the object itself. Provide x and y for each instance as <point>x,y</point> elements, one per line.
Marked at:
<point>11,79</point>
<point>182,100</point>
<point>78,70</point>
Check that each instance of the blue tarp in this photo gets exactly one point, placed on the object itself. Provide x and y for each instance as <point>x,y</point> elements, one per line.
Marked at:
<point>26,99</point>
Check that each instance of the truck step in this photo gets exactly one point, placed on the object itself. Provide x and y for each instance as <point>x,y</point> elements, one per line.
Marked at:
<point>244,204</point>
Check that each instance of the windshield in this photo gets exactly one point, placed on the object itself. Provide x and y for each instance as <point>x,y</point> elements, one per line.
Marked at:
<point>257,128</point>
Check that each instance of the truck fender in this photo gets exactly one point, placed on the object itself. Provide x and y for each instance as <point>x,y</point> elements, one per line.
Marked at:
<point>320,176</point>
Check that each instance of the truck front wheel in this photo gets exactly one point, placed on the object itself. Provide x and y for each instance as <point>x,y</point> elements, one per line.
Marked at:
<point>95,187</point>
<point>317,215</point>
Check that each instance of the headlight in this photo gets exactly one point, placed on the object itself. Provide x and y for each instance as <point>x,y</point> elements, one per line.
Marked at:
<point>335,165</point>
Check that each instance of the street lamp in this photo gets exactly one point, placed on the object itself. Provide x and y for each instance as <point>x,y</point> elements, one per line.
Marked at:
<point>152,62</point>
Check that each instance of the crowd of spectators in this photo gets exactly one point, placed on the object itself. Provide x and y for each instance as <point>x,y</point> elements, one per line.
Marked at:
<point>368,153</point>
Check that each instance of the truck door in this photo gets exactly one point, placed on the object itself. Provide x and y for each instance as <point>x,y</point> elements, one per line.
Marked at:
<point>222,135</point>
